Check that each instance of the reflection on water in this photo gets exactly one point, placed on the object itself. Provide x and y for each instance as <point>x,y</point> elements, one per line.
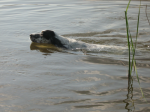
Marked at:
<point>44,48</point>
<point>129,101</point>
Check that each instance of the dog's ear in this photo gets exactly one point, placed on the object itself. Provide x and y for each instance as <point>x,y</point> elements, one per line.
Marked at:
<point>48,34</point>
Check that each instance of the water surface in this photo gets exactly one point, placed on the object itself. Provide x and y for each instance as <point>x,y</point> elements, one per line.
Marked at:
<point>43,78</point>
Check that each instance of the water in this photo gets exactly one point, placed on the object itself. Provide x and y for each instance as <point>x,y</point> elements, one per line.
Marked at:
<point>43,78</point>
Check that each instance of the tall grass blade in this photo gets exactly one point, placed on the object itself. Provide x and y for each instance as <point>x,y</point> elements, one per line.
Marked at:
<point>128,5</point>
<point>132,46</point>
<point>127,29</point>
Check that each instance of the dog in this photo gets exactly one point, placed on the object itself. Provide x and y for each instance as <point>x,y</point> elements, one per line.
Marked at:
<point>51,37</point>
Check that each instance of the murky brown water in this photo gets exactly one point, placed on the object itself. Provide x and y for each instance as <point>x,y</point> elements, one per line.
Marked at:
<point>43,78</point>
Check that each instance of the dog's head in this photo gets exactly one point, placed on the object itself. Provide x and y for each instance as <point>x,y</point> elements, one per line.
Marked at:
<point>46,36</point>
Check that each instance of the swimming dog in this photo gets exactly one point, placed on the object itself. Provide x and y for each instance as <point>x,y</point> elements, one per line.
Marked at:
<point>51,37</point>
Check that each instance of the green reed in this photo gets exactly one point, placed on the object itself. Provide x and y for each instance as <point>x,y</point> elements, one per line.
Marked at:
<point>132,46</point>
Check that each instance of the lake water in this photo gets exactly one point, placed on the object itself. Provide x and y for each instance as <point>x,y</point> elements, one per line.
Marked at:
<point>44,78</point>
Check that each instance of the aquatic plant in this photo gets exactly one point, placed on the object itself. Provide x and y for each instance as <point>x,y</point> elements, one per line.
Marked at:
<point>132,47</point>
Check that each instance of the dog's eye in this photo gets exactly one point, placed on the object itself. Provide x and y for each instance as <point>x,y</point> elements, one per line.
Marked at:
<point>42,32</point>
<point>41,35</point>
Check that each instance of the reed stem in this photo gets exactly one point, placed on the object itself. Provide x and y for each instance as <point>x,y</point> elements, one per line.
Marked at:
<point>132,46</point>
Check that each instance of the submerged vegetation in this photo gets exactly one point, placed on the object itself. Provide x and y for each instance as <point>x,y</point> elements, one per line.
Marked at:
<point>132,47</point>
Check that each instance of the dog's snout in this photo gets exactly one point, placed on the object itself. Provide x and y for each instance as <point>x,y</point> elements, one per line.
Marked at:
<point>35,35</point>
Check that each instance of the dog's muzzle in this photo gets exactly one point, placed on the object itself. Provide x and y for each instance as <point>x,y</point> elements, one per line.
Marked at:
<point>34,37</point>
